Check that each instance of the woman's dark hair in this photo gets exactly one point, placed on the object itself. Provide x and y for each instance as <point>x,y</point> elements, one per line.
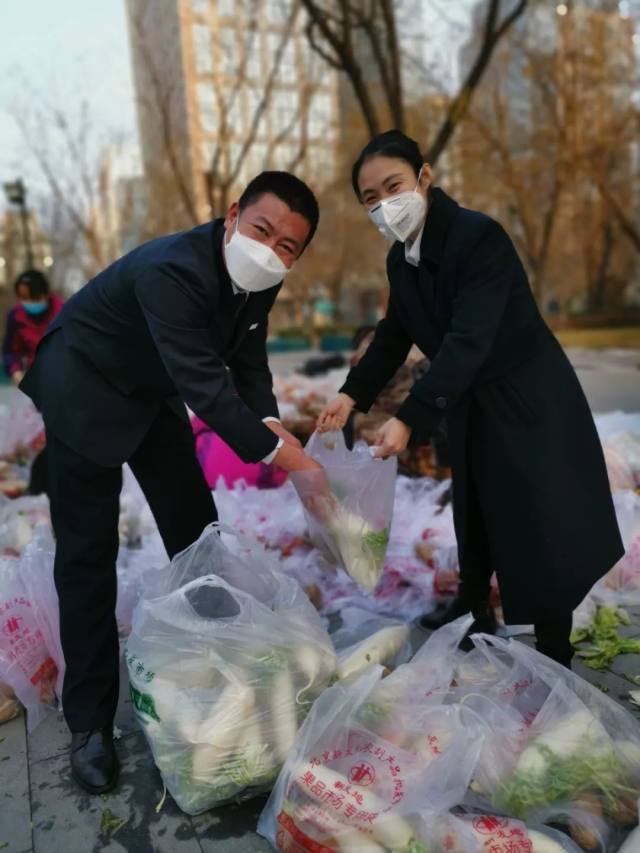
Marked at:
<point>391,143</point>
<point>36,282</point>
<point>291,190</point>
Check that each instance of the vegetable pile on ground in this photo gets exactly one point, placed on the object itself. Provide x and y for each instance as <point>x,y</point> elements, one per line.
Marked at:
<point>499,750</point>
<point>604,638</point>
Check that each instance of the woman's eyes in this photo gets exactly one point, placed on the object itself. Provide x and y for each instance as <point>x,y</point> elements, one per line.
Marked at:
<point>260,229</point>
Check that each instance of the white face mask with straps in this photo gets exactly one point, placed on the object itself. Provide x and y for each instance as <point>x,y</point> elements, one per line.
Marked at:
<point>397,218</point>
<point>252,266</point>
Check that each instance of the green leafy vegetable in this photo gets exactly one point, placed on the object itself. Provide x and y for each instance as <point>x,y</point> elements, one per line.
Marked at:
<point>606,641</point>
<point>377,542</point>
<point>564,778</point>
<point>111,823</point>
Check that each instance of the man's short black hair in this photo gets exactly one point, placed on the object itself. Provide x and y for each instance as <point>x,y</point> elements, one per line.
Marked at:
<point>291,190</point>
<point>36,281</point>
<point>391,143</point>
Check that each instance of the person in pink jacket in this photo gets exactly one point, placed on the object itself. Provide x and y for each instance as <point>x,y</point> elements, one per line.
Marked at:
<point>25,326</point>
<point>217,460</point>
<point>27,322</point>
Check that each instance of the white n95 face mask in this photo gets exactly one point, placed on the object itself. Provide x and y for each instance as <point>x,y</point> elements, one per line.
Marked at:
<point>252,266</point>
<point>396,218</point>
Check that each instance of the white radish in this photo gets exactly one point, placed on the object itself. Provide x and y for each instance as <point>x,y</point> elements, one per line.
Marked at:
<point>379,648</point>
<point>284,719</point>
<point>235,703</point>
<point>311,664</point>
<point>352,841</point>
<point>542,843</point>
<point>391,831</point>
<point>574,733</point>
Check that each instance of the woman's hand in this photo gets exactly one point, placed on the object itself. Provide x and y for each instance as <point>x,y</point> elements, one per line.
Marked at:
<point>335,414</point>
<point>16,377</point>
<point>392,438</point>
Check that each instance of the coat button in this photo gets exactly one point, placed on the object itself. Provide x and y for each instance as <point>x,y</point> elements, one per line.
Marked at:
<point>441,402</point>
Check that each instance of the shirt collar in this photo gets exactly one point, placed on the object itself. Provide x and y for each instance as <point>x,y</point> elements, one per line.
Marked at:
<point>412,249</point>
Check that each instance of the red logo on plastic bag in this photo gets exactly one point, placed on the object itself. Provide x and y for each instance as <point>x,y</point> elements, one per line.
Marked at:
<point>487,825</point>
<point>12,625</point>
<point>362,774</point>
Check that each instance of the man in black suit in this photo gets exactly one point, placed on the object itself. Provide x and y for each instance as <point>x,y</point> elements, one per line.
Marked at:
<point>181,319</point>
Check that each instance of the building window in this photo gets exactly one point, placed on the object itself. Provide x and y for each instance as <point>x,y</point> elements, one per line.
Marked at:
<point>226,8</point>
<point>320,114</point>
<point>200,7</point>
<point>259,156</point>
<point>207,108</point>
<point>285,154</point>
<point>229,51</point>
<point>278,11</point>
<point>284,109</point>
<point>288,63</point>
<point>203,48</point>
<point>233,114</point>
<point>254,100</point>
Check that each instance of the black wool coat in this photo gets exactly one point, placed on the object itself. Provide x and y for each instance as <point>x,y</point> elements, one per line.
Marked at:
<point>531,493</point>
<point>159,327</point>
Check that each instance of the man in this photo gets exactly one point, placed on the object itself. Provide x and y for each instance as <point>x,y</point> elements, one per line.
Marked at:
<point>155,330</point>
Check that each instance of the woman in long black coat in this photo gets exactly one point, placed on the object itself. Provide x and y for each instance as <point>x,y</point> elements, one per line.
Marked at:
<point>530,490</point>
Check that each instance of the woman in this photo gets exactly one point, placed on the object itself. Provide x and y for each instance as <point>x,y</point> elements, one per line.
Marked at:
<point>27,322</point>
<point>530,490</point>
<point>25,326</point>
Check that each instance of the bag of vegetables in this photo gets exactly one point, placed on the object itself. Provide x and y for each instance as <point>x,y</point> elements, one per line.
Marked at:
<point>29,662</point>
<point>576,763</point>
<point>222,674</point>
<point>352,529</point>
<point>377,759</point>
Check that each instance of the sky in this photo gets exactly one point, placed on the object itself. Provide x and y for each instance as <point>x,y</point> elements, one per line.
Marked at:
<point>70,50</point>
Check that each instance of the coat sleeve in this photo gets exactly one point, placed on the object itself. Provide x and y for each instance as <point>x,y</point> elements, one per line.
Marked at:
<point>387,352</point>
<point>478,309</point>
<point>249,367</point>
<point>178,313</point>
<point>10,357</point>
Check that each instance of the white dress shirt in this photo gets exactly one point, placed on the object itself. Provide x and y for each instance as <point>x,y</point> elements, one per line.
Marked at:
<point>412,249</point>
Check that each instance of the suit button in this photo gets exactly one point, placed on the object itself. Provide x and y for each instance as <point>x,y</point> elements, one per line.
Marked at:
<point>441,402</point>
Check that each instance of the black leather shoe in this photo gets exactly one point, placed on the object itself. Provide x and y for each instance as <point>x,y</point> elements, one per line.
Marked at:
<point>94,763</point>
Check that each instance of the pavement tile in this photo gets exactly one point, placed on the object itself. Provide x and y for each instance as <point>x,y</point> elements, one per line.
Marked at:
<point>15,808</point>
<point>66,820</point>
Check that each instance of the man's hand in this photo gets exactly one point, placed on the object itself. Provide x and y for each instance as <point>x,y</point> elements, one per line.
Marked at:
<point>335,414</point>
<point>392,438</point>
<point>291,458</point>
<point>284,434</point>
<point>16,377</point>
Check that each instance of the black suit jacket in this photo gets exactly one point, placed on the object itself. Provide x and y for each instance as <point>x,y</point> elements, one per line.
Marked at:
<point>468,306</point>
<point>159,326</point>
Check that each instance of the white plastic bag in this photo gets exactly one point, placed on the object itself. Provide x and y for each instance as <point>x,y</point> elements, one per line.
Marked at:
<point>576,761</point>
<point>222,669</point>
<point>376,759</point>
<point>27,660</point>
<point>21,426</point>
<point>352,530</point>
